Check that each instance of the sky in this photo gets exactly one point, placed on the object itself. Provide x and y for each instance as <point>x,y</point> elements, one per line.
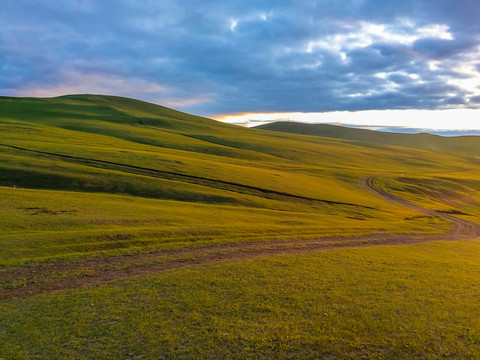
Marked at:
<point>219,58</point>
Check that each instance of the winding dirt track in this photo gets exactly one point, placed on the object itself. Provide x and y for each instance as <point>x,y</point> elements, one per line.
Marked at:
<point>460,227</point>
<point>23,282</point>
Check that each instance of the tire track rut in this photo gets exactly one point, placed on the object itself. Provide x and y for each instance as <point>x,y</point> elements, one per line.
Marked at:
<point>21,282</point>
<point>192,179</point>
<point>460,227</point>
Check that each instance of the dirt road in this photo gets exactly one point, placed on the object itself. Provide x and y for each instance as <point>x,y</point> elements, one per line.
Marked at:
<point>22,282</point>
<point>460,227</point>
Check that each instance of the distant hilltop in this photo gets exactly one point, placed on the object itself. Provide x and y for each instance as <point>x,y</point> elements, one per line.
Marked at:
<point>458,145</point>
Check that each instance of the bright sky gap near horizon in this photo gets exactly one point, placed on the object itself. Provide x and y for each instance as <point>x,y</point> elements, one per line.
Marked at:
<point>211,58</point>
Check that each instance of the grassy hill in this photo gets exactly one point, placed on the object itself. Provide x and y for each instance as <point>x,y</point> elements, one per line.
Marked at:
<point>458,145</point>
<point>130,230</point>
<point>98,146</point>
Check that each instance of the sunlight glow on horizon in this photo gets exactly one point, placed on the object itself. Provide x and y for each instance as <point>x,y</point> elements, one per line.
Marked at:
<point>450,119</point>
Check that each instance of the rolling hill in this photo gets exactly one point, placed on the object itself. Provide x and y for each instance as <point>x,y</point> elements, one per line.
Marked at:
<point>459,145</point>
<point>131,230</point>
<point>85,148</point>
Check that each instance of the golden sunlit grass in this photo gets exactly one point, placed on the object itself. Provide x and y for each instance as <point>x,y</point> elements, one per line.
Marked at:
<point>455,192</point>
<point>117,183</point>
<point>399,302</point>
<point>41,225</point>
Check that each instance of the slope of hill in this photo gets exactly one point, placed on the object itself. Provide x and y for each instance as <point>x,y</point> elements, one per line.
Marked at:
<point>102,197</point>
<point>119,146</point>
<point>78,142</point>
<point>460,145</point>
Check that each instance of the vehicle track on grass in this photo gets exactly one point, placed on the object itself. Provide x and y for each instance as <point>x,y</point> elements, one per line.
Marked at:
<point>26,281</point>
<point>192,179</point>
<point>460,228</point>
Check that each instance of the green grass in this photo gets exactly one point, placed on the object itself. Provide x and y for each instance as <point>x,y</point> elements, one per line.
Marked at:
<point>402,302</point>
<point>42,226</point>
<point>463,146</point>
<point>120,183</point>
<point>450,192</point>
<point>91,146</point>
<point>70,143</point>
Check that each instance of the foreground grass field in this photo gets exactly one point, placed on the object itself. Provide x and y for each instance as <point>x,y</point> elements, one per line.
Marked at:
<point>402,302</point>
<point>129,230</point>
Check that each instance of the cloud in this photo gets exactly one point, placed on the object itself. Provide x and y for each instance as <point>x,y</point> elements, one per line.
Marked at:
<point>475,100</point>
<point>211,57</point>
<point>439,48</point>
<point>465,119</point>
<point>72,82</point>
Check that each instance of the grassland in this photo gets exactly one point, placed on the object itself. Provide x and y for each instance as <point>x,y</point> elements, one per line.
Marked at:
<point>459,145</point>
<point>130,230</point>
<point>401,302</point>
<point>74,159</point>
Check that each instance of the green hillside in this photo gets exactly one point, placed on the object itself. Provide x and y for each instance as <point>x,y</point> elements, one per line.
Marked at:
<point>459,145</point>
<point>132,231</point>
<point>94,146</point>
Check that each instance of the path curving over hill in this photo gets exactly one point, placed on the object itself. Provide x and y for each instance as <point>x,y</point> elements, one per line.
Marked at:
<point>21,282</point>
<point>460,227</point>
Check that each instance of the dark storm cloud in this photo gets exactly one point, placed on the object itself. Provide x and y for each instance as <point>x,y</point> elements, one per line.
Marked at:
<point>212,57</point>
<point>442,48</point>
